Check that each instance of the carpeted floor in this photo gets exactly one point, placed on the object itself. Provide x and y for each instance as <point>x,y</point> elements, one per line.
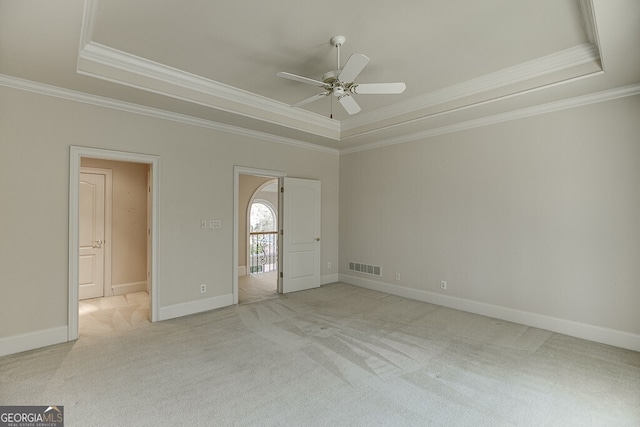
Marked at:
<point>257,287</point>
<point>108,315</point>
<point>335,356</point>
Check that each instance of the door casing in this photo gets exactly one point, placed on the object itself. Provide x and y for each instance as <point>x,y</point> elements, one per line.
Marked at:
<point>76,153</point>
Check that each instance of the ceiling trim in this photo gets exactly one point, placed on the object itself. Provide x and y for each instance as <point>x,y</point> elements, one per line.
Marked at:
<point>100,101</point>
<point>101,61</point>
<point>107,63</point>
<point>591,26</point>
<point>557,61</point>
<point>579,101</point>
<point>89,17</point>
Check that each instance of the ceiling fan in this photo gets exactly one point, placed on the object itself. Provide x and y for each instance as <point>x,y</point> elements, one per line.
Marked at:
<point>340,82</point>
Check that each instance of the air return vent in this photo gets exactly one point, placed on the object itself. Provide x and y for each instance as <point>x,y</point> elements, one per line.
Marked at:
<point>358,267</point>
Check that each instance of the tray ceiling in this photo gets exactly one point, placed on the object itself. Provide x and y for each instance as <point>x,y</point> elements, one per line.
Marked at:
<point>461,60</point>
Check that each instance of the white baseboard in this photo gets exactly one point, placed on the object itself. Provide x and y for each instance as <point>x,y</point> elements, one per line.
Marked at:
<point>242,270</point>
<point>129,288</point>
<point>328,278</point>
<point>568,327</point>
<point>33,340</point>
<point>193,307</point>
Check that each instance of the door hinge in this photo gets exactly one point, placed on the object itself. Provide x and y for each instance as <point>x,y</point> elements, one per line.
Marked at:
<point>281,274</point>
<point>282,189</point>
<point>282,232</point>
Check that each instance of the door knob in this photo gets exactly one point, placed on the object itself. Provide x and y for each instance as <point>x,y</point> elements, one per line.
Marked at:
<point>97,244</point>
<point>317,239</point>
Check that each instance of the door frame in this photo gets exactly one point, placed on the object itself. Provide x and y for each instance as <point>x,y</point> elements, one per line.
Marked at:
<point>76,153</point>
<point>237,171</point>
<point>108,198</point>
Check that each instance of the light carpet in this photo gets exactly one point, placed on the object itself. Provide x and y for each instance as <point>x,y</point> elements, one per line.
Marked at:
<point>257,287</point>
<point>335,356</point>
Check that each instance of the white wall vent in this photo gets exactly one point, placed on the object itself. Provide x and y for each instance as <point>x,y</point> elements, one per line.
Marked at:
<point>374,270</point>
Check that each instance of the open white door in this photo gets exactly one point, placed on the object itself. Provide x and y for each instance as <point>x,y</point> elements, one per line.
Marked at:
<point>300,248</point>
<point>91,235</point>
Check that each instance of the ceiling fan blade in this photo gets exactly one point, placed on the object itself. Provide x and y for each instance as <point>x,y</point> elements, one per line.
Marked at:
<point>349,104</point>
<point>379,88</point>
<point>353,67</point>
<point>300,79</point>
<point>311,99</point>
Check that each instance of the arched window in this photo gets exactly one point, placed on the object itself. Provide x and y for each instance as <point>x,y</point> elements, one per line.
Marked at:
<point>263,237</point>
<point>262,216</point>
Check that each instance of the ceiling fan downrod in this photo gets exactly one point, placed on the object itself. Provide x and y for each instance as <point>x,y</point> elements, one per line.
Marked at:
<point>338,41</point>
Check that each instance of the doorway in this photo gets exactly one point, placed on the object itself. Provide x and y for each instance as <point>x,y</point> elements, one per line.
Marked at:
<point>113,233</point>
<point>144,208</point>
<point>241,206</point>
<point>260,278</point>
<point>299,249</point>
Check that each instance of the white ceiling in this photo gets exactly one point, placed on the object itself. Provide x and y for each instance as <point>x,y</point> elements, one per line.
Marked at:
<point>463,61</point>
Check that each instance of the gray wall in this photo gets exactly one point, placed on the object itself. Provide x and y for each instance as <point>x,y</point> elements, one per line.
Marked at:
<point>196,182</point>
<point>538,215</point>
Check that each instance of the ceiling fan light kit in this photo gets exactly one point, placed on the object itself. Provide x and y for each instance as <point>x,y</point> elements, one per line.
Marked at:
<point>340,82</point>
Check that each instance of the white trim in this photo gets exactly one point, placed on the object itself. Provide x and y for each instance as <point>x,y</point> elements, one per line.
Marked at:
<point>128,288</point>
<point>100,101</point>
<point>193,307</point>
<point>563,326</point>
<point>533,69</point>
<point>32,340</point>
<point>199,90</point>
<point>237,171</point>
<point>579,101</point>
<point>329,278</point>
<point>121,67</point>
<point>202,87</point>
<point>75,156</point>
<point>591,26</point>
<point>89,17</point>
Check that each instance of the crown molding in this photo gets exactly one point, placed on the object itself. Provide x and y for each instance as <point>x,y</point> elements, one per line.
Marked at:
<point>199,90</point>
<point>529,70</point>
<point>89,17</point>
<point>579,101</point>
<point>104,62</point>
<point>591,26</point>
<point>100,101</point>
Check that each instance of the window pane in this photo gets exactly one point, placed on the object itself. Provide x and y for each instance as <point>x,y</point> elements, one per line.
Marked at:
<point>262,218</point>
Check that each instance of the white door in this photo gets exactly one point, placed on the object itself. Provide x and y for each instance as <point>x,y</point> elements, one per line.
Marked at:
<point>91,235</point>
<point>300,249</point>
